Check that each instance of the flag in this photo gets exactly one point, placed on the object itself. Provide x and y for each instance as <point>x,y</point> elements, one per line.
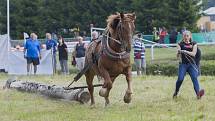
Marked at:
<point>25,36</point>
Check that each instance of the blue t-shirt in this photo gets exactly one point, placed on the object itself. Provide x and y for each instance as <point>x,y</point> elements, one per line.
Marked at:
<point>33,48</point>
<point>51,44</point>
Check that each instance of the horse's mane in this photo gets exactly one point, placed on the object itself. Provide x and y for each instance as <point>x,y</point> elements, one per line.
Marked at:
<point>111,20</point>
<point>114,19</point>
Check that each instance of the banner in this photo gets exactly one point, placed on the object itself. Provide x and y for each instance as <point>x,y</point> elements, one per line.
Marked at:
<point>4,52</point>
<point>18,64</point>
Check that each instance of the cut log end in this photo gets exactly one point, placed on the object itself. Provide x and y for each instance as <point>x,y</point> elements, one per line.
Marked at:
<point>84,97</point>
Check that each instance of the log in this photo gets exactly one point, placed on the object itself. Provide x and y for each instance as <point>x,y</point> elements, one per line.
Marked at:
<point>52,91</point>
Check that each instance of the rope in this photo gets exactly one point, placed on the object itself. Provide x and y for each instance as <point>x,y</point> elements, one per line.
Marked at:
<point>117,41</point>
<point>189,58</point>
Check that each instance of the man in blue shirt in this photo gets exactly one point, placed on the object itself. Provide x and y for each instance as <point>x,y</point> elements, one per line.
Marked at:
<point>51,44</point>
<point>33,55</point>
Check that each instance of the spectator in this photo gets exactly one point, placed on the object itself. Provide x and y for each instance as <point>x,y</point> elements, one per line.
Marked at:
<point>155,34</point>
<point>80,49</point>
<point>162,35</point>
<point>187,50</point>
<point>183,30</point>
<point>33,55</point>
<point>51,44</point>
<point>95,35</point>
<point>63,56</point>
<point>139,55</point>
<point>202,28</point>
<point>18,47</point>
<point>173,36</point>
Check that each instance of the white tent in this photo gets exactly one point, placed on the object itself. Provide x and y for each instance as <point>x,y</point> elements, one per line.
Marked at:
<point>4,45</point>
<point>210,11</point>
<point>14,62</point>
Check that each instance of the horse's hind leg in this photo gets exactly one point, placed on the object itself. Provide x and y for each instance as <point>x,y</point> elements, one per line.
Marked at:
<point>127,97</point>
<point>89,79</point>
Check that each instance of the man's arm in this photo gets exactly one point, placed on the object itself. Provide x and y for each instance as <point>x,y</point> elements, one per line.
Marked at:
<point>55,45</point>
<point>65,47</point>
<point>24,53</point>
<point>178,50</point>
<point>47,45</point>
<point>25,48</point>
<point>39,50</point>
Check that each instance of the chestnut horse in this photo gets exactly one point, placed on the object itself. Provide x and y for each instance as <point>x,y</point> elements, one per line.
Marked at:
<point>110,56</point>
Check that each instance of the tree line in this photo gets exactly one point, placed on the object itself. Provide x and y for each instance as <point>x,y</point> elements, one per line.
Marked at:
<point>59,16</point>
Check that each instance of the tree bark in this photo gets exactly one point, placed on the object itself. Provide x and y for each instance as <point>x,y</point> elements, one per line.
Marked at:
<point>53,91</point>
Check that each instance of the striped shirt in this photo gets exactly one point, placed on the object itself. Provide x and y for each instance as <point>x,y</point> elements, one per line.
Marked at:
<point>139,48</point>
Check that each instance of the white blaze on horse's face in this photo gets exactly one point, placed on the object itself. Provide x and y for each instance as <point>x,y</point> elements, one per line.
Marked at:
<point>129,19</point>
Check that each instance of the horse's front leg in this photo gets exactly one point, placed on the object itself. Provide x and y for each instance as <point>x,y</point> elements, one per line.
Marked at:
<point>104,91</point>
<point>127,97</point>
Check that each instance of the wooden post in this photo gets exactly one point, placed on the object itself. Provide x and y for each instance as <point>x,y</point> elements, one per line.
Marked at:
<point>53,91</point>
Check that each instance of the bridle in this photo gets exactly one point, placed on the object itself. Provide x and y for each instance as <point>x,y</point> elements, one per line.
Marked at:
<point>120,38</point>
<point>107,50</point>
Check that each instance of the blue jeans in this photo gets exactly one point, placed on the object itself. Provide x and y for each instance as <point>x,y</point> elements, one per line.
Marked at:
<point>64,66</point>
<point>54,62</point>
<point>192,70</point>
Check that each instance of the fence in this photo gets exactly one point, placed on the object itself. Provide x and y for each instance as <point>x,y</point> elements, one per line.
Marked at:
<point>203,37</point>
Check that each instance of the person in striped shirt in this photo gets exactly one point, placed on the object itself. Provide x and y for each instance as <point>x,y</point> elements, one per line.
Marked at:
<point>139,55</point>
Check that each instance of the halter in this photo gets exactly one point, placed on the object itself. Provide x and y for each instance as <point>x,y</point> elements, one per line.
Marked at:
<point>117,41</point>
<point>106,38</point>
<point>110,52</point>
<point>120,35</point>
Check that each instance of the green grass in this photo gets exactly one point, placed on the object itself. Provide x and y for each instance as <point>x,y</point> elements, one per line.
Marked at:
<point>168,55</point>
<point>152,101</point>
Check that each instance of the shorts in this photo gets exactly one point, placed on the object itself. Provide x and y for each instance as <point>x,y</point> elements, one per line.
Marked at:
<point>35,61</point>
<point>140,63</point>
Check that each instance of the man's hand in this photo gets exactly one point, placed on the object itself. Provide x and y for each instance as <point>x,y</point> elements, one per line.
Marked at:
<point>182,51</point>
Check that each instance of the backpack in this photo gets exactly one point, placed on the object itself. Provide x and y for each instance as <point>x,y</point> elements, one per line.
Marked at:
<point>198,55</point>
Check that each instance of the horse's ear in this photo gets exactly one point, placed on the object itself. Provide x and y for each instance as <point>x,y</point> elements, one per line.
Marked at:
<point>133,15</point>
<point>121,15</point>
<point>115,23</point>
<point>117,13</point>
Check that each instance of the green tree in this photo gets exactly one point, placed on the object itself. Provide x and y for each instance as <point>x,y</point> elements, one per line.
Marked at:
<point>184,13</point>
<point>42,16</point>
<point>3,16</point>
<point>150,13</point>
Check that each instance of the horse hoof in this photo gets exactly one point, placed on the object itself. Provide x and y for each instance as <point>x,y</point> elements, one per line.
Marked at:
<point>92,106</point>
<point>103,92</point>
<point>107,104</point>
<point>127,98</point>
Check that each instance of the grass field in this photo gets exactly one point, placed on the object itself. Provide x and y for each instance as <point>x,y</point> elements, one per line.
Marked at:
<point>169,54</point>
<point>152,101</point>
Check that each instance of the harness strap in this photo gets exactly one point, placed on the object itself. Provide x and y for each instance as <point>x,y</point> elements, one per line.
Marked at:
<point>108,51</point>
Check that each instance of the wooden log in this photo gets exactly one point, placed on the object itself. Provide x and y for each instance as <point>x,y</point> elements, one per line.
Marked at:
<point>53,91</point>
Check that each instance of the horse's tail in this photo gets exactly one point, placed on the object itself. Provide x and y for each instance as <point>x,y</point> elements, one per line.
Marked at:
<point>82,72</point>
<point>91,58</point>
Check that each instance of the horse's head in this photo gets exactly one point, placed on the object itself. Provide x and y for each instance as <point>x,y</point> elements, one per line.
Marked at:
<point>121,27</point>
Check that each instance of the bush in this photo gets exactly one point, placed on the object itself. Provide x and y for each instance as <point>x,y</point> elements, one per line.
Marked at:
<point>208,57</point>
<point>170,69</point>
<point>208,67</point>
